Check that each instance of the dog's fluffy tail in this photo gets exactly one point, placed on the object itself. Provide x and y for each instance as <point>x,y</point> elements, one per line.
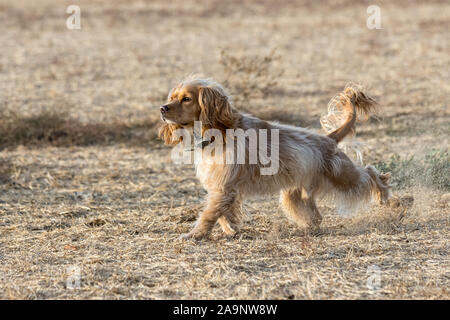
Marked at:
<point>342,112</point>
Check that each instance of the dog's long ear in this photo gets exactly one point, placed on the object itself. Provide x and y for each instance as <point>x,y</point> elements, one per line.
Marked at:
<point>216,111</point>
<point>166,133</point>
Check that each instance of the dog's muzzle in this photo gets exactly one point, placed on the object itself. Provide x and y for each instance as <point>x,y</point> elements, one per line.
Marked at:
<point>163,111</point>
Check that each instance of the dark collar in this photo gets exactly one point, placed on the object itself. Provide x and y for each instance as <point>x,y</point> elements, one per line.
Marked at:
<point>202,144</point>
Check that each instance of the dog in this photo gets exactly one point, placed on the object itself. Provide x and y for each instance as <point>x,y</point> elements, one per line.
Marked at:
<point>310,165</point>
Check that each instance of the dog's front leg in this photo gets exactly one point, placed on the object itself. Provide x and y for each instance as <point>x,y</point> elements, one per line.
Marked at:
<point>219,203</point>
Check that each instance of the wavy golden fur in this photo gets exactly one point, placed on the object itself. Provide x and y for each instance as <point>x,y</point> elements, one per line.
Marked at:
<point>351,101</point>
<point>310,165</point>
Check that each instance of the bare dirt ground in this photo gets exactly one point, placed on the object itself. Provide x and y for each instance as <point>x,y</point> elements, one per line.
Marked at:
<point>85,185</point>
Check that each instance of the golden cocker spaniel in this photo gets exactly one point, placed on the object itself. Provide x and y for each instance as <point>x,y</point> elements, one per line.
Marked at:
<point>309,165</point>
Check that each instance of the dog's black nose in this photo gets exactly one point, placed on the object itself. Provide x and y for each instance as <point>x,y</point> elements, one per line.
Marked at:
<point>164,108</point>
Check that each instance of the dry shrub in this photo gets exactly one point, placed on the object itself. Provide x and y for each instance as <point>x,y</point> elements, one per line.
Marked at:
<point>58,128</point>
<point>437,165</point>
<point>432,171</point>
<point>250,76</point>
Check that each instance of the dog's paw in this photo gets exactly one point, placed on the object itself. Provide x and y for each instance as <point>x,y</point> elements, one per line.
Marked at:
<point>193,235</point>
<point>185,237</point>
<point>229,232</point>
<point>229,235</point>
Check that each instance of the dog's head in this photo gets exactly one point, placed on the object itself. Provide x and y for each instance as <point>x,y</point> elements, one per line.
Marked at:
<point>196,100</point>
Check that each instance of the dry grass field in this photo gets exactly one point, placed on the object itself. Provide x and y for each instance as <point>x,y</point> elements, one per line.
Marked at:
<point>86,184</point>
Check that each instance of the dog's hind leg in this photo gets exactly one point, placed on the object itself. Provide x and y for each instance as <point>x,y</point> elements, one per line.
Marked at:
<point>300,206</point>
<point>357,181</point>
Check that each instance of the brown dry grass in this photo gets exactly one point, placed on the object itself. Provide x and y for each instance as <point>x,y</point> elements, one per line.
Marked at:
<point>83,182</point>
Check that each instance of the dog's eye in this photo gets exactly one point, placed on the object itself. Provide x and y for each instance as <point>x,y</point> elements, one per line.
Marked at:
<point>186,99</point>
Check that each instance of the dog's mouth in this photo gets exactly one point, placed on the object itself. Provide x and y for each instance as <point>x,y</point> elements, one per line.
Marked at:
<point>163,118</point>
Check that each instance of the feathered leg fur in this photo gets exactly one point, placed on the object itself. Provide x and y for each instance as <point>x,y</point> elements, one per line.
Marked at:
<point>301,208</point>
<point>354,183</point>
<point>223,207</point>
